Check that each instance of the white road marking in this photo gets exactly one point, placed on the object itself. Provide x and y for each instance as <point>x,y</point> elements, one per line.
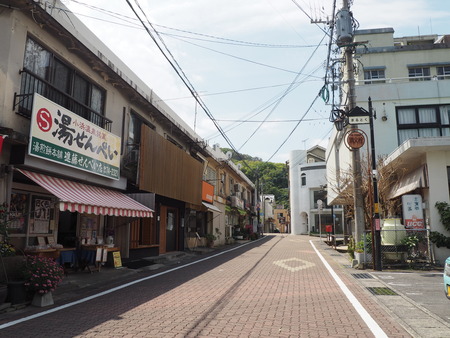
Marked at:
<point>302,264</point>
<point>365,316</point>
<point>123,286</point>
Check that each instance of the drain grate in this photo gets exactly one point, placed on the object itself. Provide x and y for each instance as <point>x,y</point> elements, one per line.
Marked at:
<point>347,266</point>
<point>362,276</point>
<point>382,291</point>
<point>335,255</point>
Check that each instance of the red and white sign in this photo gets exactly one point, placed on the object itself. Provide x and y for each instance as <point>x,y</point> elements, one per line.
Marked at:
<point>413,212</point>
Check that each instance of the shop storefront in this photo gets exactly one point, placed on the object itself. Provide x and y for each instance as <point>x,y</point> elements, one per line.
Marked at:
<point>58,198</point>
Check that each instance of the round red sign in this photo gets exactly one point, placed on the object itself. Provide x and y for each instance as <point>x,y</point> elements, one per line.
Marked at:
<point>355,139</point>
<point>44,120</point>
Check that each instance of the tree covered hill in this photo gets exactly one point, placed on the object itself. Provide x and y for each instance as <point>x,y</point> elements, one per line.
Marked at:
<point>269,177</point>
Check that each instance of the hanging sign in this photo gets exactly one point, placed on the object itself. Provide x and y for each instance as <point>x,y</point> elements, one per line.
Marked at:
<point>355,139</point>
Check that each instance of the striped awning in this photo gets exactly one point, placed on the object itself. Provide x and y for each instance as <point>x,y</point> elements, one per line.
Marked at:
<point>83,198</point>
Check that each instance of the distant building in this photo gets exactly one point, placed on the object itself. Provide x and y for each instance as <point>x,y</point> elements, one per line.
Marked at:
<point>307,185</point>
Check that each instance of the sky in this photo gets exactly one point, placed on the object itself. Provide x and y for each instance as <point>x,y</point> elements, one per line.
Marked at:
<point>256,65</point>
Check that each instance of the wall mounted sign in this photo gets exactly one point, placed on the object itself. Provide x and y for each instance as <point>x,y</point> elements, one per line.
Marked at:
<point>413,212</point>
<point>61,136</point>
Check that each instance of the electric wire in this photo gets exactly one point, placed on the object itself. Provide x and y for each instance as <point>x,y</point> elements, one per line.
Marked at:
<point>134,24</point>
<point>174,64</point>
<point>284,94</point>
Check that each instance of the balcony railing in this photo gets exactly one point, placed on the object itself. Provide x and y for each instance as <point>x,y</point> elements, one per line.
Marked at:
<point>31,84</point>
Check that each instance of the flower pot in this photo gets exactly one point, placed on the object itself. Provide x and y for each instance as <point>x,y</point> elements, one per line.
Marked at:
<point>42,299</point>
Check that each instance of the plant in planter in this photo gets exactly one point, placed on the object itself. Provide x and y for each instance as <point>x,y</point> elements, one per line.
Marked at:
<point>7,250</point>
<point>42,276</point>
<point>210,238</point>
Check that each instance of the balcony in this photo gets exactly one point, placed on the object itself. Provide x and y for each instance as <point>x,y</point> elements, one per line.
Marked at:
<point>23,102</point>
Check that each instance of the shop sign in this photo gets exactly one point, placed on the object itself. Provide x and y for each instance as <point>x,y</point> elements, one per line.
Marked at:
<point>355,140</point>
<point>207,192</point>
<point>58,135</point>
<point>413,212</point>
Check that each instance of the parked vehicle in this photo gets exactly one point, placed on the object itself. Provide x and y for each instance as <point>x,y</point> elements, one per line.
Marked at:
<point>447,277</point>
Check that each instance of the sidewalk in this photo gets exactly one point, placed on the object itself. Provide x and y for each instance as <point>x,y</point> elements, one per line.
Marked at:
<point>416,319</point>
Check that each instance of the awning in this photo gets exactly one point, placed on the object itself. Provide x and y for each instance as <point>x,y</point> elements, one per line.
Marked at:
<point>89,199</point>
<point>415,179</point>
<point>211,207</point>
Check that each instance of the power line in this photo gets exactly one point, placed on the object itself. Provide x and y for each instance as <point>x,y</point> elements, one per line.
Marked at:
<point>284,94</point>
<point>271,121</point>
<point>222,40</point>
<point>181,74</point>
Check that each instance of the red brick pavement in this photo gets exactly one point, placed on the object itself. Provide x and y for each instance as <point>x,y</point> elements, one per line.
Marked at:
<point>276,287</point>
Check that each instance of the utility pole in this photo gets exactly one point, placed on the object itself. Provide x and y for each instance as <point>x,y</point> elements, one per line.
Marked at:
<point>358,200</point>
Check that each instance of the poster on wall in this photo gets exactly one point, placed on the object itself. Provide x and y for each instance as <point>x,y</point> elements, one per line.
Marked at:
<point>18,213</point>
<point>413,212</point>
<point>41,215</point>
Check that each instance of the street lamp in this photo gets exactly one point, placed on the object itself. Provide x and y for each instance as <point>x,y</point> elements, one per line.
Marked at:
<point>339,119</point>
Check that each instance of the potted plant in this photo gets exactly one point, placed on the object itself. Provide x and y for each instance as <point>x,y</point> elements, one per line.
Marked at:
<point>42,276</point>
<point>210,238</point>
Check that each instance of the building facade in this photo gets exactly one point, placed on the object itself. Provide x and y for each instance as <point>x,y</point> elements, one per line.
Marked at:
<point>310,212</point>
<point>408,82</point>
<point>90,154</point>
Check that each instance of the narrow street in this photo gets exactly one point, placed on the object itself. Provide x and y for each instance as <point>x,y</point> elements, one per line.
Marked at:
<point>275,287</point>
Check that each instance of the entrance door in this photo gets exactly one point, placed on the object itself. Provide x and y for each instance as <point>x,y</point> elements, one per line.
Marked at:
<point>168,231</point>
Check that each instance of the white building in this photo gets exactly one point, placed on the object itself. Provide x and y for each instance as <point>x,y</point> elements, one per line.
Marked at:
<point>307,176</point>
<point>408,81</point>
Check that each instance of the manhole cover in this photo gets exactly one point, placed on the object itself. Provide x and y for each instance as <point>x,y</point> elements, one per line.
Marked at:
<point>362,275</point>
<point>381,291</point>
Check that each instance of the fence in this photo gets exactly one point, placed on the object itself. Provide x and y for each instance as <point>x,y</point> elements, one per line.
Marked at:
<point>401,248</point>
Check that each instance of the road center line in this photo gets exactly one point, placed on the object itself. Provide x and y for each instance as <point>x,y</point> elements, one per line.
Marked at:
<point>365,316</point>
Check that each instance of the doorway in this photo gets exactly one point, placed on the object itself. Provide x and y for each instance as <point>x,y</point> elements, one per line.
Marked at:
<point>168,231</point>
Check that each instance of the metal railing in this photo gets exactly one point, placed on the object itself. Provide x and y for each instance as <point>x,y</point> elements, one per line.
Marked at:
<point>31,84</point>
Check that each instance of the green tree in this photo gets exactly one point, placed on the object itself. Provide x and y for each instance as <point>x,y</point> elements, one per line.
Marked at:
<point>271,177</point>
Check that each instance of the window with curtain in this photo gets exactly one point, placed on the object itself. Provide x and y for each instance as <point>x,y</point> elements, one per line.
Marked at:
<point>419,74</point>
<point>423,121</point>
<point>443,72</point>
<point>374,74</point>
<point>48,75</point>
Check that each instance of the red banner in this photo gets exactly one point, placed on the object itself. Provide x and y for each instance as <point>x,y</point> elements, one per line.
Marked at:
<point>2,138</point>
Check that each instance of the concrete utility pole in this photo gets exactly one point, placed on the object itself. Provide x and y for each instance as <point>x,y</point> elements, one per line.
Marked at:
<point>356,157</point>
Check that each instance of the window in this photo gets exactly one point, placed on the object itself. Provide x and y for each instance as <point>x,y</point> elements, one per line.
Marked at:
<point>420,73</point>
<point>443,72</point>
<point>319,195</point>
<point>303,179</point>
<point>211,178</point>
<point>46,74</point>
<point>424,121</point>
<point>374,74</point>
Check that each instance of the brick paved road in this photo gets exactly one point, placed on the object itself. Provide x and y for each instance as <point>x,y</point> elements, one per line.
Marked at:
<point>276,287</point>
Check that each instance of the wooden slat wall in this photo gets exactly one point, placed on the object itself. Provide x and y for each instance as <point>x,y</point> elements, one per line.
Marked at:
<point>134,233</point>
<point>167,170</point>
<point>149,231</point>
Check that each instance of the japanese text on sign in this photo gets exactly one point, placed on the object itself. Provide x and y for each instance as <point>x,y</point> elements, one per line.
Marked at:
<point>412,211</point>
<point>61,136</point>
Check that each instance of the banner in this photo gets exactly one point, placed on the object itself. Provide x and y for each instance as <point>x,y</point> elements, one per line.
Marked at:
<point>58,135</point>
